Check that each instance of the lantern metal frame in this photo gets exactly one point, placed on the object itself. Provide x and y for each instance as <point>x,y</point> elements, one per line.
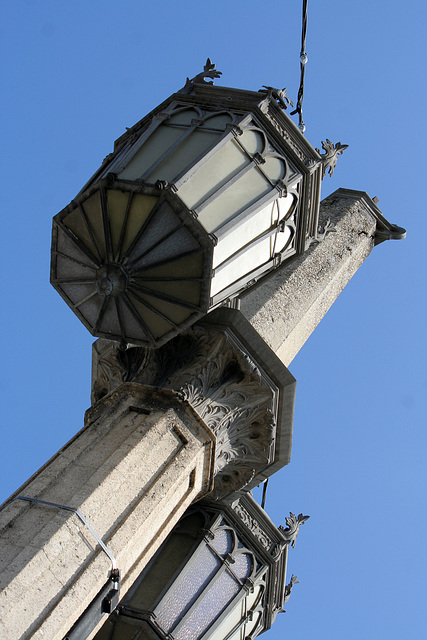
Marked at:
<point>254,534</point>
<point>90,264</point>
<point>281,196</point>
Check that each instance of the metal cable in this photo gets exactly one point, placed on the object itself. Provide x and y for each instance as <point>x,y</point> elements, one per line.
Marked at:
<point>81,518</point>
<point>303,61</point>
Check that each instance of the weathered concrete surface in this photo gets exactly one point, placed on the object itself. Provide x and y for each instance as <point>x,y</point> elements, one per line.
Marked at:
<point>132,475</point>
<point>289,303</point>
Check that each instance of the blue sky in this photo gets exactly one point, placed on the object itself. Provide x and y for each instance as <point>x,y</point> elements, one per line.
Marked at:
<point>74,75</point>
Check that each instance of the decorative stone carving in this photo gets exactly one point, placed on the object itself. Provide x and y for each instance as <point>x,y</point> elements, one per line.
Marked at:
<point>218,378</point>
<point>330,157</point>
<point>293,524</point>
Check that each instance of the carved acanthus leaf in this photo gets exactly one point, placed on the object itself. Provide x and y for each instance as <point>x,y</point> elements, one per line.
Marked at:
<point>222,384</point>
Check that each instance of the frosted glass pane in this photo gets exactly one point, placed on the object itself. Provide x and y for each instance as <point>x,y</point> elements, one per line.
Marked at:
<point>195,576</point>
<point>285,204</point>
<point>252,141</point>
<point>93,209</point>
<point>183,117</point>
<point>245,191</point>
<point>117,202</point>
<point>242,567</point>
<point>155,323</point>
<point>245,232</point>
<point>173,552</point>
<point>281,240</point>
<point>222,542</point>
<point>219,121</point>
<point>253,598</point>
<point>234,619</point>
<point>139,210</point>
<point>256,256</point>
<point>162,138</point>
<point>212,175</point>
<point>184,155</point>
<point>210,607</point>
<point>251,624</point>
<point>274,168</point>
<point>75,221</point>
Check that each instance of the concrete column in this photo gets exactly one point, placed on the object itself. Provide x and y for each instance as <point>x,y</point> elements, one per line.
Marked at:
<point>142,458</point>
<point>287,305</point>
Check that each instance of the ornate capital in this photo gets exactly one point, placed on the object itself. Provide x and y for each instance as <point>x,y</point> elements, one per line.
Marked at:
<point>212,370</point>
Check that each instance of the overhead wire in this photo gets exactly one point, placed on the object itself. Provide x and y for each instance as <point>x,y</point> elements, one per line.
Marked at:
<point>303,61</point>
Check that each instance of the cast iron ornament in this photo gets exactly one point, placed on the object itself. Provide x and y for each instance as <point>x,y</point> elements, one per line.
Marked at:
<point>330,157</point>
<point>278,94</point>
<point>209,71</point>
<point>293,524</point>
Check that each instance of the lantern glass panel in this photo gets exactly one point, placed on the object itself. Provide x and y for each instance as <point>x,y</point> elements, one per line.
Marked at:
<point>252,624</point>
<point>175,312</point>
<point>117,203</point>
<point>218,121</point>
<point>76,221</point>
<point>193,146</point>
<point>152,149</point>
<point>213,174</point>
<point>247,190</point>
<point>187,587</point>
<point>93,210</point>
<point>244,248</point>
<point>274,168</point>
<point>237,618</point>
<point>223,541</point>
<point>174,551</point>
<point>183,117</point>
<point>175,145</point>
<point>209,607</point>
<point>140,207</point>
<point>234,619</point>
<point>252,141</point>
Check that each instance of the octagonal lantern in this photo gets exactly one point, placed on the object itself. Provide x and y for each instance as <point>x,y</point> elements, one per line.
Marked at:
<point>198,200</point>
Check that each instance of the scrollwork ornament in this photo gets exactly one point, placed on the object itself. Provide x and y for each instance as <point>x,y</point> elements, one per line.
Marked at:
<point>253,525</point>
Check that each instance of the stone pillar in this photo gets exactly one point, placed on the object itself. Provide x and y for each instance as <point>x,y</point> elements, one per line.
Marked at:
<point>141,459</point>
<point>209,411</point>
<point>287,305</point>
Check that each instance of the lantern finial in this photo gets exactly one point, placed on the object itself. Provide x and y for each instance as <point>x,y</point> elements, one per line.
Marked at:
<point>209,71</point>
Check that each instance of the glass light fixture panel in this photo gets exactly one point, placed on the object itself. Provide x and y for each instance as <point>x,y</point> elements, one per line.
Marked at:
<point>213,602</point>
<point>189,584</point>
